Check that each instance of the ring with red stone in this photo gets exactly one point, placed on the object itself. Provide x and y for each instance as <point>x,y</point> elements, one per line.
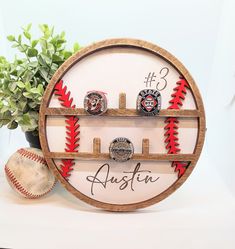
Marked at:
<point>148,102</point>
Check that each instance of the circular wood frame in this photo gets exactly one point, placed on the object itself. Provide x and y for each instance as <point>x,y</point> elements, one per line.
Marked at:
<point>138,44</point>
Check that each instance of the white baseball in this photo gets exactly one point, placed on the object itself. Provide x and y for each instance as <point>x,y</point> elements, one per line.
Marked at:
<point>28,173</point>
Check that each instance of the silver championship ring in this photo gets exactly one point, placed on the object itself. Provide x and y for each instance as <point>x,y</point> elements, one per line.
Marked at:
<point>121,149</point>
<point>95,103</point>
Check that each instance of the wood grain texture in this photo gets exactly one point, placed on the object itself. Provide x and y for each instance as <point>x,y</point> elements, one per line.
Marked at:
<point>122,101</point>
<point>145,147</point>
<point>122,113</point>
<point>105,156</point>
<point>96,147</point>
<point>136,44</point>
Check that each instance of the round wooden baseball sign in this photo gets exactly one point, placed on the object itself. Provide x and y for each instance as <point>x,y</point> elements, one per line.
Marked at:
<point>122,124</point>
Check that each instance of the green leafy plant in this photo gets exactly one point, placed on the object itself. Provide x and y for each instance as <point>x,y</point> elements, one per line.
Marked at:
<point>23,80</point>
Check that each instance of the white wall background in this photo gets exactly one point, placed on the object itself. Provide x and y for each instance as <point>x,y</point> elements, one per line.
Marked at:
<point>200,33</point>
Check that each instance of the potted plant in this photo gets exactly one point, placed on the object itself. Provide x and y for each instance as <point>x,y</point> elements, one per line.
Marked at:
<point>23,80</point>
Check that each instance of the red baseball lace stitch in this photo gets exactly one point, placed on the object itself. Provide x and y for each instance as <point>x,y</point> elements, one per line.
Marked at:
<point>72,128</point>
<point>64,95</point>
<point>66,167</point>
<point>172,127</point>
<point>20,188</point>
<point>72,134</point>
<point>171,134</point>
<point>179,94</point>
<point>32,156</point>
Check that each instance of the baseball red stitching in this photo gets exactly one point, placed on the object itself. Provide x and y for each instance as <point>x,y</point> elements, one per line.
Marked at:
<point>64,95</point>
<point>32,156</point>
<point>179,94</point>
<point>172,125</point>
<point>72,127</point>
<point>72,134</point>
<point>66,167</point>
<point>171,134</point>
<point>20,188</point>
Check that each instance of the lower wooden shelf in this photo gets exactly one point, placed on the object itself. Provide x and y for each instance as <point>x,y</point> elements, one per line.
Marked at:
<point>97,155</point>
<point>105,156</point>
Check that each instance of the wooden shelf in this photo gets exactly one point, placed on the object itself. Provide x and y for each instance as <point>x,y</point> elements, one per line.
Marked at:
<point>105,156</point>
<point>97,155</point>
<point>121,113</point>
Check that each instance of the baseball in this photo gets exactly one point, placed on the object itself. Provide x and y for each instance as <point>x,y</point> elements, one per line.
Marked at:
<point>28,173</point>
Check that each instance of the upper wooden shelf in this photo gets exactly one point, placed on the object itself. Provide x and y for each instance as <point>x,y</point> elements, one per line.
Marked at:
<point>121,112</point>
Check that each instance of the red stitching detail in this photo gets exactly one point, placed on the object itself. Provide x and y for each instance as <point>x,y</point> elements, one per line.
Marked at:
<point>171,134</point>
<point>20,188</point>
<point>66,167</point>
<point>72,127</point>
<point>32,156</point>
<point>64,95</point>
<point>179,94</point>
<point>72,134</point>
<point>180,167</point>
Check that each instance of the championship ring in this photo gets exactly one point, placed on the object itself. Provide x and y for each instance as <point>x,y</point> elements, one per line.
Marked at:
<point>121,149</point>
<point>95,103</point>
<point>149,102</point>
